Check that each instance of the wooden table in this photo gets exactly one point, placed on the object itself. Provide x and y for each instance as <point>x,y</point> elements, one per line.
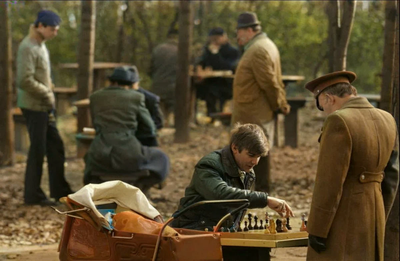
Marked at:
<point>63,95</point>
<point>99,71</point>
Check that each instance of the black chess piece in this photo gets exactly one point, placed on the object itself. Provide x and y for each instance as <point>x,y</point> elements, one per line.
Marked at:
<point>239,229</point>
<point>250,216</point>
<point>278,225</point>
<point>256,222</point>
<point>287,224</point>
<point>261,224</point>
<point>245,229</point>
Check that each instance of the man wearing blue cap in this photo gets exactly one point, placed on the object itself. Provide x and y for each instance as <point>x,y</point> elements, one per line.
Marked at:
<point>218,54</point>
<point>122,122</point>
<point>36,100</point>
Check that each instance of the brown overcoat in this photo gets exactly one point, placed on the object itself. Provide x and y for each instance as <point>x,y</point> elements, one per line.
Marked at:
<point>356,182</point>
<point>258,90</point>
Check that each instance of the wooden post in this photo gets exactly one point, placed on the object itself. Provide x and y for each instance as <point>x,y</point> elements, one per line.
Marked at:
<point>182,90</point>
<point>86,58</point>
<point>6,120</point>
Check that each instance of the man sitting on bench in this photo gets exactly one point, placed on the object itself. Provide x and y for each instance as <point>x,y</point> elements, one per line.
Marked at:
<point>119,115</point>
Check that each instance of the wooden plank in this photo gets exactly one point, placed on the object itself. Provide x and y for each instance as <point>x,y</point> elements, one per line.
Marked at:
<point>82,103</point>
<point>96,65</point>
<point>65,90</point>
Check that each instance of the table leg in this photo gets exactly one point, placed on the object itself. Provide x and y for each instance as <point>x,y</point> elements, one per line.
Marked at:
<point>291,128</point>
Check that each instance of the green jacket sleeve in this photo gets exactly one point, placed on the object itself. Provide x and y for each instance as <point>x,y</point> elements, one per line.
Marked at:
<point>146,127</point>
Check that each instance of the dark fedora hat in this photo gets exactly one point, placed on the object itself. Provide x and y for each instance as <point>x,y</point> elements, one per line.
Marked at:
<point>247,19</point>
<point>125,75</point>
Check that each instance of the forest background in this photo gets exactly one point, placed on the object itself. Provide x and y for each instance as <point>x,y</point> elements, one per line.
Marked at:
<point>127,31</point>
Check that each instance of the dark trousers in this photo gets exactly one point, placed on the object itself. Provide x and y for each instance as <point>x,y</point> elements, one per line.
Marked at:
<point>45,141</point>
<point>262,171</point>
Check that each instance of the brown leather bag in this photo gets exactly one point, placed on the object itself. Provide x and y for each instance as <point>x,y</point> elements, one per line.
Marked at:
<point>82,240</point>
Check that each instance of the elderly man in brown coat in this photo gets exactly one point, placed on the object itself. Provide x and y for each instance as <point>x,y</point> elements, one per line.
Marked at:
<point>258,90</point>
<point>357,176</point>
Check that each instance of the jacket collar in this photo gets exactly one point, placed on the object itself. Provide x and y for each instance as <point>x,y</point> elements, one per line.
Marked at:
<point>229,163</point>
<point>357,102</point>
<point>257,37</point>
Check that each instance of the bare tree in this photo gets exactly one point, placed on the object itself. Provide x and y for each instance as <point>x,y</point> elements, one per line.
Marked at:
<point>121,32</point>
<point>388,56</point>
<point>182,90</point>
<point>6,120</point>
<point>86,58</point>
<point>341,16</point>
<point>392,225</point>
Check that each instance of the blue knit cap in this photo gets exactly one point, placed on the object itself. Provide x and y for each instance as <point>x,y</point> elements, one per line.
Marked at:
<point>48,17</point>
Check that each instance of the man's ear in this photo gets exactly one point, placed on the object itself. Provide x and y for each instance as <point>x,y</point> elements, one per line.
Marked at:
<point>234,148</point>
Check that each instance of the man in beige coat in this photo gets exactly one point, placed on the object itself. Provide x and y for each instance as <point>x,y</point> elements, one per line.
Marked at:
<point>357,176</point>
<point>258,90</point>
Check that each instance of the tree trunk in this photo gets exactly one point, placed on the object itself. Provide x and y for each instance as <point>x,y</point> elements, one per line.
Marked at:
<point>388,56</point>
<point>86,59</point>
<point>339,31</point>
<point>6,117</point>
<point>133,38</point>
<point>349,10</point>
<point>182,90</point>
<point>392,225</point>
<point>121,33</point>
<point>146,29</point>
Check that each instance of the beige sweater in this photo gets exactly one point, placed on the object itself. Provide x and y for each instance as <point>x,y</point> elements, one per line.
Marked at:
<point>33,75</point>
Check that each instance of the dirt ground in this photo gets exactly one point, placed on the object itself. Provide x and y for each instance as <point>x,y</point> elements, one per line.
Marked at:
<point>32,232</point>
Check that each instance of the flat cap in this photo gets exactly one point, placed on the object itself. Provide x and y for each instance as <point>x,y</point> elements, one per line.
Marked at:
<point>316,86</point>
<point>125,74</point>
<point>48,17</point>
<point>216,31</point>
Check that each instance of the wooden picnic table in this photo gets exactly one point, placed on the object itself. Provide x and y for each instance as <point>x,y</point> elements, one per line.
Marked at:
<point>99,71</point>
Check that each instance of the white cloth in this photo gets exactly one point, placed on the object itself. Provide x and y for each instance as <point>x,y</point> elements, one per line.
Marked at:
<point>121,193</point>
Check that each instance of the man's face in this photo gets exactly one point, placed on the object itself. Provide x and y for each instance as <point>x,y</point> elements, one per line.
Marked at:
<point>48,32</point>
<point>244,159</point>
<point>243,36</point>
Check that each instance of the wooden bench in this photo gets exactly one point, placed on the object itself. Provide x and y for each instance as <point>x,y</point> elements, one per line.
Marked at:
<point>21,134</point>
<point>83,141</point>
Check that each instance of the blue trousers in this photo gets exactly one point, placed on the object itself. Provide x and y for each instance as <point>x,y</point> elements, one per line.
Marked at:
<point>45,141</point>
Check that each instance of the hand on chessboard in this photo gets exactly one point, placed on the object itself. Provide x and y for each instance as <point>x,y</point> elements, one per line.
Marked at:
<point>280,206</point>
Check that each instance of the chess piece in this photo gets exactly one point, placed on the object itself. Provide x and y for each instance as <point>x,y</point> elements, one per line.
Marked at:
<point>272,227</point>
<point>303,222</point>
<point>284,227</point>
<point>245,229</point>
<point>206,229</point>
<point>278,225</point>
<point>261,224</point>
<point>250,216</point>
<point>287,224</point>
<point>239,229</point>
<point>256,222</point>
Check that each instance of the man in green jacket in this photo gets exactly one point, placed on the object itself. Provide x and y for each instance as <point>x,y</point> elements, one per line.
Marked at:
<point>36,100</point>
<point>228,174</point>
<point>119,116</point>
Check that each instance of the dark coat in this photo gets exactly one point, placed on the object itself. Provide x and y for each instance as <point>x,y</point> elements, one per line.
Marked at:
<point>117,115</point>
<point>152,102</point>
<point>356,183</point>
<point>216,176</point>
<point>225,59</point>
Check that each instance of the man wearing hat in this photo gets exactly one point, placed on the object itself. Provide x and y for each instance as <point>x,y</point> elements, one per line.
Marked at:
<point>258,90</point>
<point>357,176</point>
<point>218,54</point>
<point>36,100</point>
<point>162,71</point>
<point>152,103</point>
<point>119,115</point>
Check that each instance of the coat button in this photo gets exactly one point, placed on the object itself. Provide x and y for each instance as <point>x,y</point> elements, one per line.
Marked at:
<point>362,177</point>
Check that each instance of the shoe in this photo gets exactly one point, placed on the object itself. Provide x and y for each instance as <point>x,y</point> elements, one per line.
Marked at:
<point>43,203</point>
